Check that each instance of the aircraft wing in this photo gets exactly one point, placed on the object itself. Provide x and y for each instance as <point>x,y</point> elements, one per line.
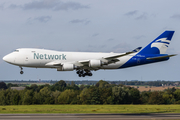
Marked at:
<point>113,59</point>
<point>85,63</point>
<point>106,60</point>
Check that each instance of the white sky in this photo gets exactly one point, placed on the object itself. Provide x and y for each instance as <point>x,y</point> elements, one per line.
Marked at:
<point>89,25</point>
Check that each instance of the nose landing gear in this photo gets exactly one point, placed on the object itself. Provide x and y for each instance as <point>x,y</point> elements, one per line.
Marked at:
<point>21,72</point>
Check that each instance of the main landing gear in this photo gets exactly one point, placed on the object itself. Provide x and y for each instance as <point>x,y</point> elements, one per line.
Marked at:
<point>21,72</point>
<point>83,73</point>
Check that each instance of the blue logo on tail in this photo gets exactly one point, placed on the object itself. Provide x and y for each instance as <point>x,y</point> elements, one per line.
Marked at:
<point>159,45</point>
<point>153,52</point>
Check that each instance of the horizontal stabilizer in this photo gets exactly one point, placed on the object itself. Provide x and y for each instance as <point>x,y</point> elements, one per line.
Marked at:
<point>160,57</point>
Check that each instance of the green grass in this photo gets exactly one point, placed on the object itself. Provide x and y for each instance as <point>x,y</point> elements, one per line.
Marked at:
<point>90,109</point>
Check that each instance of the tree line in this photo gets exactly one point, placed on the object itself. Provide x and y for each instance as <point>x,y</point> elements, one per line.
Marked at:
<point>100,93</point>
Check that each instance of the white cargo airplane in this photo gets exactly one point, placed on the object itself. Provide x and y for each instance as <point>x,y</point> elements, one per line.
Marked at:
<point>85,62</point>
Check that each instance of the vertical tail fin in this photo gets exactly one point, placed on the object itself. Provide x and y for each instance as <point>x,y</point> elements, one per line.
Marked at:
<point>159,45</point>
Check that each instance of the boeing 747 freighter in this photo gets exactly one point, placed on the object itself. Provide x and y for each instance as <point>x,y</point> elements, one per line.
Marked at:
<point>85,62</point>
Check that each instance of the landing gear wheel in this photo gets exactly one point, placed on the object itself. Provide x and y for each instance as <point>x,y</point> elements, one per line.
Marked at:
<point>78,72</point>
<point>83,73</point>
<point>90,74</point>
<point>21,72</point>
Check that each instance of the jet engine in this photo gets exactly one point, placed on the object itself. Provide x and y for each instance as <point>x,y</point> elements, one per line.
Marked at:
<point>95,63</point>
<point>66,67</point>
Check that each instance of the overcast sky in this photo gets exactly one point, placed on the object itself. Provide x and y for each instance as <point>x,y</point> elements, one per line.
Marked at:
<point>89,25</point>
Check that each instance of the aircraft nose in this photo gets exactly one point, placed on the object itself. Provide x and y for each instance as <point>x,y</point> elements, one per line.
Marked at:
<point>8,58</point>
<point>5,58</point>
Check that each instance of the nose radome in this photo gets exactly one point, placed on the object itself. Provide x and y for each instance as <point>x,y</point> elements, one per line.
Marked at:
<point>8,58</point>
<point>5,58</point>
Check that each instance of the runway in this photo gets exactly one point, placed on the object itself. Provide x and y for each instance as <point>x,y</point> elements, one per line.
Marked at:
<point>154,116</point>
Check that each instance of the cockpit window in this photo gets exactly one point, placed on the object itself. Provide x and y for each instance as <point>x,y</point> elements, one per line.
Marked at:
<point>16,50</point>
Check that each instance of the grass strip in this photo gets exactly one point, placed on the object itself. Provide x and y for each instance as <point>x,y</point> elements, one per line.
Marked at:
<point>90,109</point>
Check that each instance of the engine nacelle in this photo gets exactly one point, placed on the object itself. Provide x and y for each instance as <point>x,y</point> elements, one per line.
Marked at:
<point>95,63</point>
<point>66,67</point>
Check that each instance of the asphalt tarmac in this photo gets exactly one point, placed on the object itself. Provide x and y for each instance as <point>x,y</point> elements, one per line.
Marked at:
<point>154,116</point>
